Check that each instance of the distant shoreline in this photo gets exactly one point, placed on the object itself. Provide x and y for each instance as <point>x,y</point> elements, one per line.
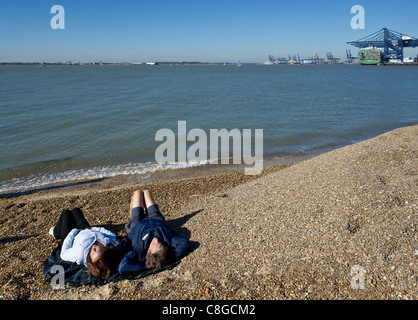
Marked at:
<point>165,63</point>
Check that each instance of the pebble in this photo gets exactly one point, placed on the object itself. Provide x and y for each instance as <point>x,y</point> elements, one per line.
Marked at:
<point>294,232</point>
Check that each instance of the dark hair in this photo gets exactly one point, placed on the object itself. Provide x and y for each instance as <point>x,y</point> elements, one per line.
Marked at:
<point>158,259</point>
<point>104,266</point>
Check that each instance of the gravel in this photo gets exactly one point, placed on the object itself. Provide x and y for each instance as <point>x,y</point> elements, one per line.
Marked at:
<point>341,225</point>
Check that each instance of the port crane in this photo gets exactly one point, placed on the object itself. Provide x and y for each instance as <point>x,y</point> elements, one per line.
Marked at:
<point>392,43</point>
<point>331,58</point>
<point>350,57</point>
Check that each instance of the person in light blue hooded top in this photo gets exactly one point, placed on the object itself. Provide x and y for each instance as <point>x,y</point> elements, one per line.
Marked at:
<point>83,244</point>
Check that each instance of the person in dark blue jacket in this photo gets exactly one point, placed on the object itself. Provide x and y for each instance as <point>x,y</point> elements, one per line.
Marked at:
<point>152,242</point>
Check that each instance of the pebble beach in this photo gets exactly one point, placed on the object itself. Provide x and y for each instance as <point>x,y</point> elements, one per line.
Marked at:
<point>300,231</point>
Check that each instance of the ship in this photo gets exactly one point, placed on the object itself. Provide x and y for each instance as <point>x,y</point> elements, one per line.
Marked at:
<point>370,56</point>
<point>308,61</point>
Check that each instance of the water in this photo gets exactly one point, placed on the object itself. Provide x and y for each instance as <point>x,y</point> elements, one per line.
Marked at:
<point>60,123</point>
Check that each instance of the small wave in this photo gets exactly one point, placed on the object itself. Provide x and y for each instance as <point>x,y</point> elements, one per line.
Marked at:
<point>43,179</point>
<point>325,146</point>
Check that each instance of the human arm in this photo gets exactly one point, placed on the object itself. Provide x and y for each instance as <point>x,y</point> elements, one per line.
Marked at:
<point>68,252</point>
<point>130,264</point>
<point>104,231</point>
<point>180,247</point>
<point>105,237</point>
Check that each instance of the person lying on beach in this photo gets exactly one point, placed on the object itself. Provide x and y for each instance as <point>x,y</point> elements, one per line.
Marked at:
<point>152,242</point>
<point>83,244</point>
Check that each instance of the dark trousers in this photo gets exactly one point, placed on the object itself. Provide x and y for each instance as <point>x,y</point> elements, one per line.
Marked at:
<point>69,220</point>
<point>138,214</point>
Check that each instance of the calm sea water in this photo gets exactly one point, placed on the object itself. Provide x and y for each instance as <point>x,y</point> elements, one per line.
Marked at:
<point>59,123</point>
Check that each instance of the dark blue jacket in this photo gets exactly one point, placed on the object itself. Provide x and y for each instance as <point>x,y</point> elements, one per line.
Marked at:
<point>141,236</point>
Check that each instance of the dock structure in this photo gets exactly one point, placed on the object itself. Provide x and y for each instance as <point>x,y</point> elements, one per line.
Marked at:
<point>392,43</point>
<point>317,59</point>
<point>350,57</point>
<point>331,58</point>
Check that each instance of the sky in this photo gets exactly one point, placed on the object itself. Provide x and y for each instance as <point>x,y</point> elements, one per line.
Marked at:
<point>192,30</point>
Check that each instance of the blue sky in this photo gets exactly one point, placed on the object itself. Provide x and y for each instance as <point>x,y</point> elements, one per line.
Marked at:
<point>193,30</point>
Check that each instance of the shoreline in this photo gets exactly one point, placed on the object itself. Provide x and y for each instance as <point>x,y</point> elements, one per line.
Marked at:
<point>125,180</point>
<point>20,180</point>
<point>293,232</point>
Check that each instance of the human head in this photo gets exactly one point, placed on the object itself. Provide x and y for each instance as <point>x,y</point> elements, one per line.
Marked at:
<point>157,255</point>
<point>99,260</point>
<point>96,252</point>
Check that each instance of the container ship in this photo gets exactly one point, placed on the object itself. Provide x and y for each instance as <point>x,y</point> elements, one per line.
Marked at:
<point>370,56</point>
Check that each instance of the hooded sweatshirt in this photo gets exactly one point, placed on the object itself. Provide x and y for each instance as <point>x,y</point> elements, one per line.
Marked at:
<point>141,236</point>
<point>76,246</point>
